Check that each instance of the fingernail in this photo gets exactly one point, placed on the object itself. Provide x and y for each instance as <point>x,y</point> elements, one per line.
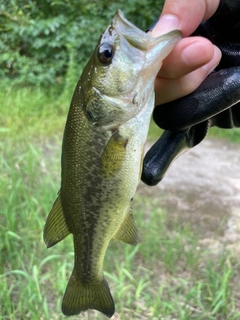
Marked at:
<point>166,23</point>
<point>209,67</point>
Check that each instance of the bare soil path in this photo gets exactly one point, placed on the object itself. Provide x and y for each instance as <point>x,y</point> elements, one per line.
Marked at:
<point>202,188</point>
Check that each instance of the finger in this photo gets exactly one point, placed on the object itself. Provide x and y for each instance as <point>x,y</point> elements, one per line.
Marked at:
<point>171,89</point>
<point>217,93</point>
<point>168,147</point>
<point>184,15</point>
<point>158,159</point>
<point>188,54</point>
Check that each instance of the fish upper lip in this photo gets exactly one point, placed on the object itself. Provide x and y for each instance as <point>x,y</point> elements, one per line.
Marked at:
<point>136,37</point>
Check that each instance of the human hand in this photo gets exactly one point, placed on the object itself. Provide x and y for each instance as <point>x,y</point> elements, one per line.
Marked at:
<point>215,102</point>
<point>193,58</point>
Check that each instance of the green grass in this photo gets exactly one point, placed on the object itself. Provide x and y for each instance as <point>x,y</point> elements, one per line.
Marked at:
<point>32,112</point>
<point>163,277</point>
<point>232,135</point>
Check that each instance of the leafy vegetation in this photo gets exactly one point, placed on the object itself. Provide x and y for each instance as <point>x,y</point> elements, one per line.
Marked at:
<point>41,39</point>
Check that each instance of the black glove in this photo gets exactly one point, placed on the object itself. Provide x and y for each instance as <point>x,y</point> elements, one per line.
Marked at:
<point>216,102</point>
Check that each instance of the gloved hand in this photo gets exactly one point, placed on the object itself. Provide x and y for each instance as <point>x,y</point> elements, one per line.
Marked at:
<point>216,102</point>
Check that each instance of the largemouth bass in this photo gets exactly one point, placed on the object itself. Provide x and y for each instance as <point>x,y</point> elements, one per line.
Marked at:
<point>102,153</point>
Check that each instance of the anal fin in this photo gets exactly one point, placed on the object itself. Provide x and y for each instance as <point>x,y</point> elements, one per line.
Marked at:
<point>127,231</point>
<point>55,228</point>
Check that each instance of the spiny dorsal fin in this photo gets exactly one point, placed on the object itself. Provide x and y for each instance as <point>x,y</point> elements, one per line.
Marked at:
<point>127,231</point>
<point>55,228</point>
<point>83,296</point>
<point>113,154</point>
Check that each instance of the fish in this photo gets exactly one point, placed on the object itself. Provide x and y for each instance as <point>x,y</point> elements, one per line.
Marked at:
<point>102,153</point>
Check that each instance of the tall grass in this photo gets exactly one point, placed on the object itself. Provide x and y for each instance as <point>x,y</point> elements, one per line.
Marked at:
<point>163,277</point>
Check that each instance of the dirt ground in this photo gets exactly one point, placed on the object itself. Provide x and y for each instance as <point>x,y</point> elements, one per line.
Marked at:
<point>202,188</point>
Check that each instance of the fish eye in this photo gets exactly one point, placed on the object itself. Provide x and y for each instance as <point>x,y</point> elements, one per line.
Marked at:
<point>105,53</point>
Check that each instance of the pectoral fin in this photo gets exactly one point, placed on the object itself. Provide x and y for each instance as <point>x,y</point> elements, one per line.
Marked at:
<point>113,154</point>
<point>55,228</point>
<point>128,232</point>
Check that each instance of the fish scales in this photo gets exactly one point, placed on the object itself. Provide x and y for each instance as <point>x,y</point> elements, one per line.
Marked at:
<point>102,153</point>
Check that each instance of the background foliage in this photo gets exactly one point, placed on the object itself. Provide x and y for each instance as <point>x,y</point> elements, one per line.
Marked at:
<point>42,40</point>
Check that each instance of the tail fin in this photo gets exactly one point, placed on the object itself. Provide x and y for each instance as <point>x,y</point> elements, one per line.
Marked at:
<point>80,297</point>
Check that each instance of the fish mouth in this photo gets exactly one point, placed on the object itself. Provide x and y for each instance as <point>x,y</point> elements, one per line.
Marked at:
<point>135,36</point>
<point>140,57</point>
<point>156,49</point>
